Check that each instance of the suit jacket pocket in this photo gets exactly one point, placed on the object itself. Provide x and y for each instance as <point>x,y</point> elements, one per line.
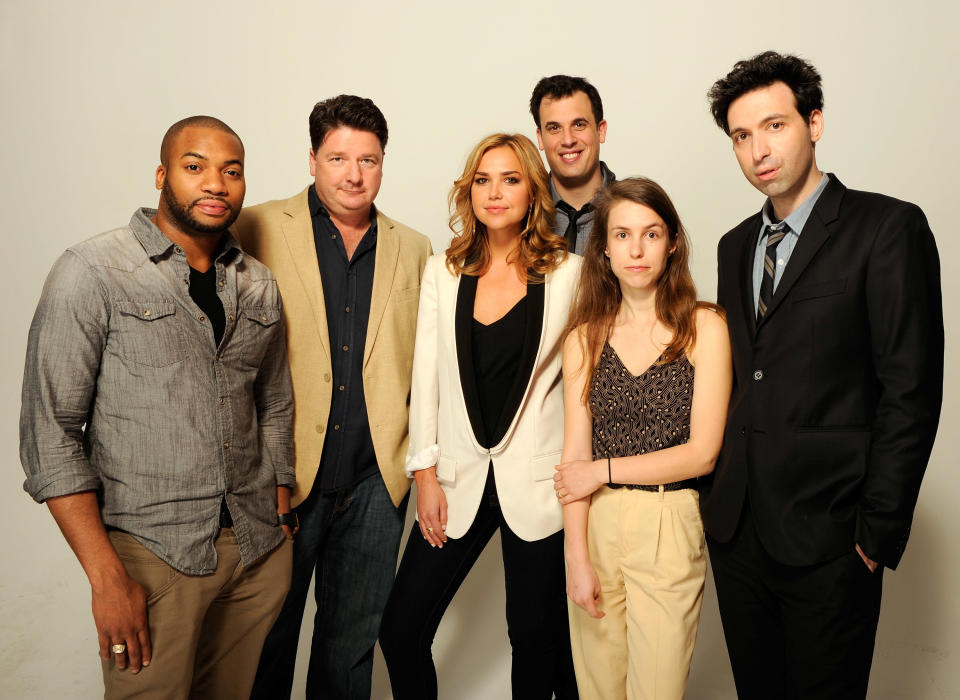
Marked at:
<point>818,289</point>
<point>446,470</point>
<point>542,466</point>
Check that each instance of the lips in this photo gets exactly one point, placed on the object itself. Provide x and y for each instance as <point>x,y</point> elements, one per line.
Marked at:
<point>496,210</point>
<point>767,174</point>
<point>571,157</point>
<point>213,207</point>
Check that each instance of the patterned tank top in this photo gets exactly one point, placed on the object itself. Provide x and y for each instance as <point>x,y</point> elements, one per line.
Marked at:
<point>643,413</point>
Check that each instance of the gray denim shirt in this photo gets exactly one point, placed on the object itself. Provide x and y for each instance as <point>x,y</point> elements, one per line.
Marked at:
<point>126,393</point>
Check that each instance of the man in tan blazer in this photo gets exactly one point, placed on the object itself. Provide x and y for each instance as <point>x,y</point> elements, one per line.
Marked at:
<point>350,281</point>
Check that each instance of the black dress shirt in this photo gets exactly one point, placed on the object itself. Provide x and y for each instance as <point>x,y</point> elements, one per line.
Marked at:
<point>348,456</point>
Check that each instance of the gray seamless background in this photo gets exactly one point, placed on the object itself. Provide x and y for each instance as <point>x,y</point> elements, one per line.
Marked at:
<point>89,88</point>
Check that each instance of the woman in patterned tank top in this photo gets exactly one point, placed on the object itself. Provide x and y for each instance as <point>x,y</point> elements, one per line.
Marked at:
<point>638,431</point>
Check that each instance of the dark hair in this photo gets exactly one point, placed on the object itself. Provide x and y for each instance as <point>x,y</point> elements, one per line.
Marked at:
<point>557,86</point>
<point>346,110</point>
<point>760,71</point>
<point>198,120</point>
<point>599,295</point>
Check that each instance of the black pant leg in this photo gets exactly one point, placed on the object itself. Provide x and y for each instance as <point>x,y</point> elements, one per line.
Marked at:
<point>426,582</point>
<point>537,622</point>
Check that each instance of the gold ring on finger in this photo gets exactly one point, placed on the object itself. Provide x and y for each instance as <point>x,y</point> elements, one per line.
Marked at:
<point>429,529</point>
<point>118,648</point>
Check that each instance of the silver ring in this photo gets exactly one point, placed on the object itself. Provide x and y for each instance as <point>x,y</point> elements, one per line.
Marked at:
<point>118,648</point>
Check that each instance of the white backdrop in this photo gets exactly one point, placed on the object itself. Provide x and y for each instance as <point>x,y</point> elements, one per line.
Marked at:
<point>89,88</point>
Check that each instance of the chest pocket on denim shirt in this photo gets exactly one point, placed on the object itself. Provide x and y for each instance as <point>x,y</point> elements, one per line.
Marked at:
<point>257,328</point>
<point>149,334</point>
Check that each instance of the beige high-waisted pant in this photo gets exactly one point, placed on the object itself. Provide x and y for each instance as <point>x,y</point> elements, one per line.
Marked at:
<point>648,551</point>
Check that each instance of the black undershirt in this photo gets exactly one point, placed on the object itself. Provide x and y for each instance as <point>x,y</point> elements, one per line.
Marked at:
<point>497,352</point>
<point>203,291</point>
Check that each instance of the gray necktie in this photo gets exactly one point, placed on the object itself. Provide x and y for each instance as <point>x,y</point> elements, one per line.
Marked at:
<point>775,234</point>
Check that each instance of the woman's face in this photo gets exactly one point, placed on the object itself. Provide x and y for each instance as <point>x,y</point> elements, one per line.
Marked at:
<point>500,193</point>
<point>638,244</point>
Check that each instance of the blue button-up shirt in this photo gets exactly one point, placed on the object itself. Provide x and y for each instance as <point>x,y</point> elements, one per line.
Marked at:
<point>127,393</point>
<point>795,223</point>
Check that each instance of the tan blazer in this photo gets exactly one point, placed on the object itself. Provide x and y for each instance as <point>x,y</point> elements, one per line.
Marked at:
<point>444,418</point>
<point>280,235</point>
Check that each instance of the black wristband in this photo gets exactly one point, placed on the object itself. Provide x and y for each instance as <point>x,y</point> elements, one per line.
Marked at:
<point>289,519</point>
<point>609,472</point>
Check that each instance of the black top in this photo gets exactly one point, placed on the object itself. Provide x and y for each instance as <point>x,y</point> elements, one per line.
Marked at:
<point>348,455</point>
<point>203,291</point>
<point>497,351</point>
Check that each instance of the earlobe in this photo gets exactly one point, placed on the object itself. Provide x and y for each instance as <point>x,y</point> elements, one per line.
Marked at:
<point>602,131</point>
<point>539,140</point>
<point>816,125</point>
<point>161,176</point>
<point>313,162</point>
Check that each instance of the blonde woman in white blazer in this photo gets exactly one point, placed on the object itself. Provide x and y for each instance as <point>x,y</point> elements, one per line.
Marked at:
<point>486,424</point>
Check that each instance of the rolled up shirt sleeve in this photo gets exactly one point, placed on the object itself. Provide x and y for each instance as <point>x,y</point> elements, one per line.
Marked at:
<point>64,350</point>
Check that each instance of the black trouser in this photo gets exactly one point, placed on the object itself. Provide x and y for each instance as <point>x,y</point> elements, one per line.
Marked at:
<point>537,624</point>
<point>795,631</point>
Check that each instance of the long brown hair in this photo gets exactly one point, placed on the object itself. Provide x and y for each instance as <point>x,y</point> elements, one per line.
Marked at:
<point>599,296</point>
<point>539,250</point>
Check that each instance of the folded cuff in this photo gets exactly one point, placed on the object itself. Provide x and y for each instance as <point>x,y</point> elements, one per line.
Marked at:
<point>424,459</point>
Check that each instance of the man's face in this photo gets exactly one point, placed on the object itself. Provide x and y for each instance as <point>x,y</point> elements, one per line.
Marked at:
<point>571,138</point>
<point>347,168</point>
<point>202,185</point>
<point>774,145</point>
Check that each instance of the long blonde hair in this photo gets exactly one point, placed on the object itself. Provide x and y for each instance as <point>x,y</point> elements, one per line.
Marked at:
<point>539,250</point>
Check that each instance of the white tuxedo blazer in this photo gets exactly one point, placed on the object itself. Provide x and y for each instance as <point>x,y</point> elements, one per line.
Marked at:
<point>441,431</point>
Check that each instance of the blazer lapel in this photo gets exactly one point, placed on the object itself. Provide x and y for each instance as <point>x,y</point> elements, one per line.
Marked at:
<point>815,233</point>
<point>385,268</point>
<point>463,331</point>
<point>751,234</point>
<point>536,301</point>
<point>298,232</point>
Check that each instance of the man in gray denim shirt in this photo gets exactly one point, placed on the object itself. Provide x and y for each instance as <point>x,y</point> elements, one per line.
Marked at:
<point>156,425</point>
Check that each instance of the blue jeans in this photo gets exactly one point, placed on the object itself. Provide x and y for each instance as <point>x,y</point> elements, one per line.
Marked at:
<point>351,539</point>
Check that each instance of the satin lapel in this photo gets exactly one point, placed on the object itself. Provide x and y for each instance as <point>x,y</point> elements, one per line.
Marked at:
<point>384,270</point>
<point>463,329</point>
<point>815,233</point>
<point>298,233</point>
<point>533,338</point>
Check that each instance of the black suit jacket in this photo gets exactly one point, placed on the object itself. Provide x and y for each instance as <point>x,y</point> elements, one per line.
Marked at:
<point>837,392</point>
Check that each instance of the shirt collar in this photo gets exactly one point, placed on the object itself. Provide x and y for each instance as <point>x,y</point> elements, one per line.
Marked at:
<point>157,245</point>
<point>798,217</point>
<point>605,172</point>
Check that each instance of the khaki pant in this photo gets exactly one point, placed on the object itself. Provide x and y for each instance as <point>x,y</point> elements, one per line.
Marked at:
<point>648,551</point>
<point>206,632</point>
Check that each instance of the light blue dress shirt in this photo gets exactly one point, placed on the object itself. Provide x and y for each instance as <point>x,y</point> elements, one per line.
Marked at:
<point>795,223</point>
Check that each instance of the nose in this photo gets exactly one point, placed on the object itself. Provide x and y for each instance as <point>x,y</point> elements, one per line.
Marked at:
<point>636,246</point>
<point>214,182</point>
<point>761,147</point>
<point>354,174</point>
<point>494,192</point>
<point>569,138</point>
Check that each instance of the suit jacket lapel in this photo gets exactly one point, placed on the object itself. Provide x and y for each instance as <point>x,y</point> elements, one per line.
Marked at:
<point>536,293</point>
<point>385,268</point>
<point>751,235</point>
<point>298,232</point>
<point>463,330</point>
<point>815,233</point>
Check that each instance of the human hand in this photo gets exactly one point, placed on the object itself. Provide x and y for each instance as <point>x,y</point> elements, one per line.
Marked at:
<point>871,564</point>
<point>583,587</point>
<point>431,507</point>
<point>120,614</point>
<point>575,480</point>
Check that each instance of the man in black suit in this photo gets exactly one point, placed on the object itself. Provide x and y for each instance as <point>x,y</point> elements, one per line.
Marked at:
<point>835,317</point>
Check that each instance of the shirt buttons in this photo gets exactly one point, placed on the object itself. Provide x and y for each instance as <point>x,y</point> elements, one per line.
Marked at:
<point>336,427</point>
<point>346,348</point>
<point>222,401</point>
<point>201,317</point>
<point>178,249</point>
<point>263,318</point>
<point>220,283</point>
<point>758,375</point>
<point>230,317</point>
<point>341,387</point>
<point>226,445</point>
<point>347,309</point>
<point>147,313</point>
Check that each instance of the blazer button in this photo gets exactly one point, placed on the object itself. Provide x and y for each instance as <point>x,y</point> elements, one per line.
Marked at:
<point>758,375</point>
<point>743,430</point>
<point>319,427</point>
<point>326,377</point>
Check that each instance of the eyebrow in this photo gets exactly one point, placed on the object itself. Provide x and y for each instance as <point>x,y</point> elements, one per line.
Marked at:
<point>200,156</point>
<point>504,172</point>
<point>766,119</point>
